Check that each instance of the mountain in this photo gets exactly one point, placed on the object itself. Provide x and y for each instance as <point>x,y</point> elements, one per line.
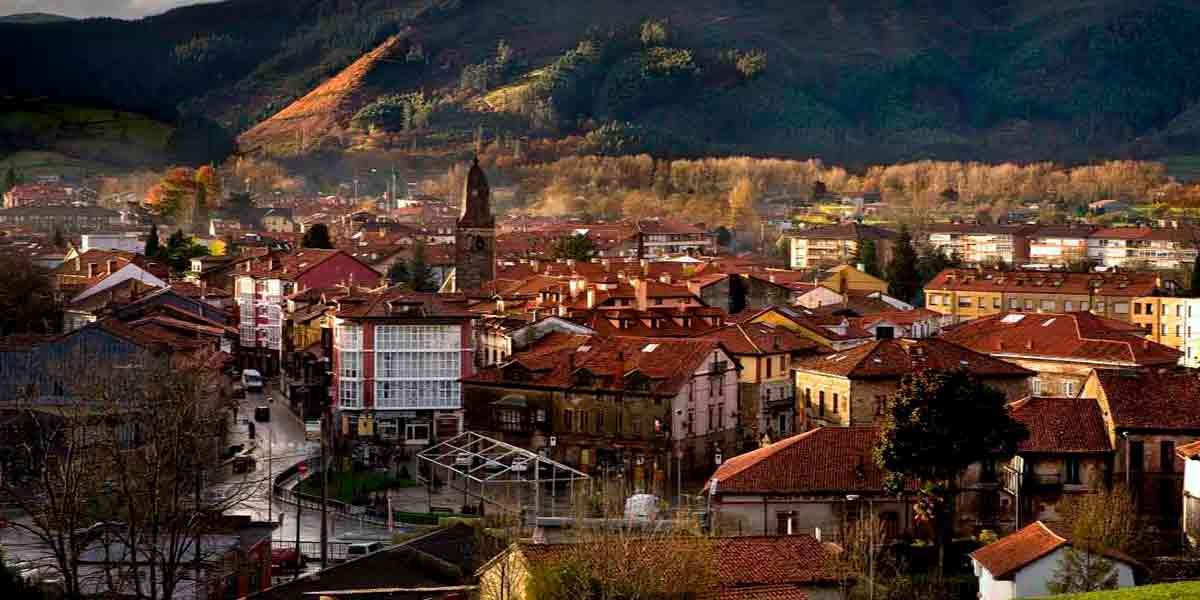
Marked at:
<point>33,18</point>
<point>854,81</point>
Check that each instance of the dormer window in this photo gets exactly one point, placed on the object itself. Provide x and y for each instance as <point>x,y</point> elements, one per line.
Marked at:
<point>585,379</point>
<point>637,381</point>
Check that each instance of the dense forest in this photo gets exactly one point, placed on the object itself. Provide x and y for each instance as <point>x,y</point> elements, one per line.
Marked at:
<point>855,82</point>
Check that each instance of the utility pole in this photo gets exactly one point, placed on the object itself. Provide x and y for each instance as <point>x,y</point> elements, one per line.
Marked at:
<point>299,505</point>
<point>324,498</point>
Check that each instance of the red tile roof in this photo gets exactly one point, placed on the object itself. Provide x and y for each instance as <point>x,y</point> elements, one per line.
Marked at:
<point>825,460</point>
<point>766,560</point>
<point>1188,451</point>
<point>557,361</point>
<point>847,231</point>
<point>1123,284</point>
<point>759,592</point>
<point>899,317</point>
<point>398,303</point>
<point>1152,399</point>
<point>1004,557</point>
<point>1062,425</point>
<point>1074,336</point>
<point>761,338</point>
<point>890,358</point>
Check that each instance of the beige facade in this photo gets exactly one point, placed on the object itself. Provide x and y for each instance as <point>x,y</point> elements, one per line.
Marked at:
<point>1173,322</point>
<point>968,305</point>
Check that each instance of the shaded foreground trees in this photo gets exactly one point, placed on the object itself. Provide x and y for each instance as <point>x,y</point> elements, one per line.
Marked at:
<point>933,428</point>
<point>111,464</point>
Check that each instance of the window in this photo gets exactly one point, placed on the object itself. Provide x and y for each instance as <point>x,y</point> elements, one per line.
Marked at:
<point>417,433</point>
<point>1072,474</point>
<point>1068,306</point>
<point>982,302</point>
<point>996,302</point>
<point>934,299</point>
<point>1178,330</point>
<point>1014,304</point>
<point>691,419</point>
<point>835,402</point>
<point>418,366</point>
<point>1028,304</point>
<point>508,419</point>
<point>599,421</point>
<point>582,422</point>
<point>1084,306</point>
<point>770,363</point>
<point>821,403</point>
<point>785,523</point>
<point>1100,307</point>
<point>880,403</point>
<point>808,398</point>
<point>1068,389</point>
<point>1137,308</point>
<point>636,425</point>
<point>350,394</point>
<point>1120,308</point>
<point>1149,308</point>
<point>964,302</point>
<point>1037,387</point>
<point>1137,457</point>
<point>1048,305</point>
<point>1166,456</point>
<point>1162,329</point>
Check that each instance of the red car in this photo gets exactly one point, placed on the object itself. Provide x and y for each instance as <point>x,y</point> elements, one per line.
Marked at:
<point>287,559</point>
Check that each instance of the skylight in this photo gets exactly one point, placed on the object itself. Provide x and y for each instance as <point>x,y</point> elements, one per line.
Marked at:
<point>1049,321</point>
<point>584,349</point>
<point>650,348</point>
<point>1010,319</point>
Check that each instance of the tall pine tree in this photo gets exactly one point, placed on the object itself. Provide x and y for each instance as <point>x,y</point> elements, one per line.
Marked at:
<point>151,250</point>
<point>866,256</point>
<point>317,236</point>
<point>903,280</point>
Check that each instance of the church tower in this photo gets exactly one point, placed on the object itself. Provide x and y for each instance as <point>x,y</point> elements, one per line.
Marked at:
<point>475,235</point>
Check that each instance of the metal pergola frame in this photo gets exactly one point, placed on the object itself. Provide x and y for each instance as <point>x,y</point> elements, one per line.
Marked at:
<point>473,457</point>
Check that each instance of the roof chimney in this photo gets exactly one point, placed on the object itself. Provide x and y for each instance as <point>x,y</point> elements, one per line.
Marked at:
<point>112,266</point>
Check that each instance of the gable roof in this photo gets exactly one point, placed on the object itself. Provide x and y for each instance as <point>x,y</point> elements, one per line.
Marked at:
<point>890,358</point>
<point>1061,425</point>
<point>1151,399</point>
<point>761,338</point>
<point>398,303</point>
<point>553,362</point>
<point>826,459</point>
<point>1004,557</point>
<point>847,231</point>
<point>776,559</point>
<point>1074,336</point>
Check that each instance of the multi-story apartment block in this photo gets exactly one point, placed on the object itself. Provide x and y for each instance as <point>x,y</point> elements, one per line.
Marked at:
<point>1170,248</point>
<point>262,283</point>
<point>1173,322</point>
<point>1060,245</point>
<point>982,244</point>
<point>398,359</point>
<point>68,219</point>
<point>657,238</point>
<point>823,247</point>
<point>966,294</point>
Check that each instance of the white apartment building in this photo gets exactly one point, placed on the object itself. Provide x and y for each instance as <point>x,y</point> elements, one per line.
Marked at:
<point>1171,248</point>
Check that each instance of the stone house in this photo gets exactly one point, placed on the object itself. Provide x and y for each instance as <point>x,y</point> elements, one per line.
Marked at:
<point>849,387</point>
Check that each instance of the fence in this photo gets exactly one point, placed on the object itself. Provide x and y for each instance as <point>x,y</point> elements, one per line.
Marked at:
<point>311,548</point>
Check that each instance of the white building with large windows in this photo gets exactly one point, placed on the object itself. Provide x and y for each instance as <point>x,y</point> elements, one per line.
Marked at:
<point>399,358</point>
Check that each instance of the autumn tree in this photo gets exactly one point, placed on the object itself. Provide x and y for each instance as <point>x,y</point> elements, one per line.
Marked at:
<point>317,236</point>
<point>1097,525</point>
<point>742,217</point>
<point>902,277</point>
<point>936,425</point>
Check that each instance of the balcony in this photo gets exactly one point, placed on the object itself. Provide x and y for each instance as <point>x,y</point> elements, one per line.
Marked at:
<point>1013,481</point>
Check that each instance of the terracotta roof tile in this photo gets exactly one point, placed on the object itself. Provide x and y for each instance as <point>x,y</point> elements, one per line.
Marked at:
<point>1077,336</point>
<point>397,302</point>
<point>1152,399</point>
<point>761,338</point>
<point>826,459</point>
<point>765,560</point>
<point>897,357</point>
<point>760,592</point>
<point>1004,557</point>
<point>1124,284</point>
<point>1188,451</point>
<point>1062,425</point>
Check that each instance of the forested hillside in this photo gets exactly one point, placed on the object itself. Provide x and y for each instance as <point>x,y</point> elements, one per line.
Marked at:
<point>856,82</point>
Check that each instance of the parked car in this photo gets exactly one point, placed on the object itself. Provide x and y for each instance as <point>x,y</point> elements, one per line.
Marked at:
<point>287,559</point>
<point>362,549</point>
<point>252,380</point>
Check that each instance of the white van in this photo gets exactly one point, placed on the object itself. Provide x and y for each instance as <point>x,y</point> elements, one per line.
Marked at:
<point>252,380</point>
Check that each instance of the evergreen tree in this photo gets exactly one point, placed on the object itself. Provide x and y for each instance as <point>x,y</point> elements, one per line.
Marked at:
<point>10,180</point>
<point>579,247</point>
<point>866,256</point>
<point>420,276</point>
<point>1195,292</point>
<point>398,272</point>
<point>317,236</point>
<point>152,249</point>
<point>1081,571</point>
<point>935,426</point>
<point>903,280</point>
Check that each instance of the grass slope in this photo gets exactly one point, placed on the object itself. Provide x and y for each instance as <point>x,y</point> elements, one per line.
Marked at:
<point>1186,590</point>
<point>50,136</point>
